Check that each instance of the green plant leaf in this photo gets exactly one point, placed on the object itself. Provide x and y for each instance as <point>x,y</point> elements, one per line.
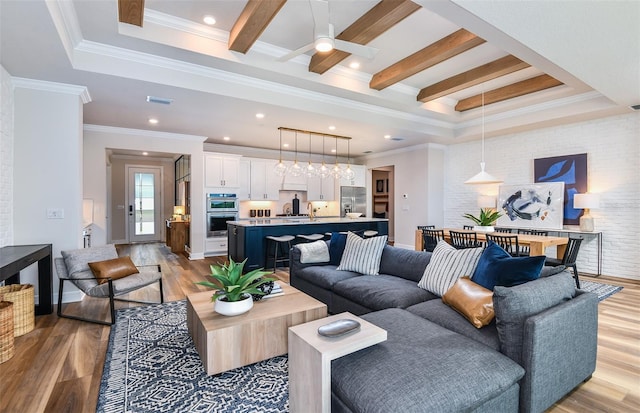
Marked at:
<point>230,282</point>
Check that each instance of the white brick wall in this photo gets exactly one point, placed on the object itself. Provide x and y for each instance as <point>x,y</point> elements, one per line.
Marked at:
<point>613,160</point>
<point>6,158</point>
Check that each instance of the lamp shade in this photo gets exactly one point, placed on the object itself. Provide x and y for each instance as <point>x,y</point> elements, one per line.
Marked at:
<point>178,210</point>
<point>586,201</point>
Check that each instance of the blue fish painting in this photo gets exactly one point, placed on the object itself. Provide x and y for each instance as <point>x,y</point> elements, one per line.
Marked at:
<point>532,206</point>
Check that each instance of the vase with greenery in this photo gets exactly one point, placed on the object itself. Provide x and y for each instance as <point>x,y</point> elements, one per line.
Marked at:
<point>233,289</point>
<point>486,219</point>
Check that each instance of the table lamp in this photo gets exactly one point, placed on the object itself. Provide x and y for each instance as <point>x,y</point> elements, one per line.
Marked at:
<point>178,212</point>
<point>586,202</point>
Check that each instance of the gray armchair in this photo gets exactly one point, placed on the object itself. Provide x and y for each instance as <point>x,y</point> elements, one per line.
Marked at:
<point>74,267</point>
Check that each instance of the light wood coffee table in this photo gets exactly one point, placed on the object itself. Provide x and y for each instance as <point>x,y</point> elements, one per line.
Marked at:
<point>225,343</point>
<point>310,356</point>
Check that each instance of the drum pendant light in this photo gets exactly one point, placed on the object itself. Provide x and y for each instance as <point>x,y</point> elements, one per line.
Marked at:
<point>483,177</point>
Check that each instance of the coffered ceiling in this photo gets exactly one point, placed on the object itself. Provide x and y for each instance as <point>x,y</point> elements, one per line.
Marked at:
<point>534,64</point>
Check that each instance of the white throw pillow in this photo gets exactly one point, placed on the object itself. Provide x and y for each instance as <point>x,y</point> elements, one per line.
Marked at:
<point>313,252</point>
<point>446,266</point>
<point>362,255</point>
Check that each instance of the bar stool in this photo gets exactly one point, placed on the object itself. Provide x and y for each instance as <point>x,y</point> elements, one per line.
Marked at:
<point>310,237</point>
<point>277,242</point>
<point>370,233</point>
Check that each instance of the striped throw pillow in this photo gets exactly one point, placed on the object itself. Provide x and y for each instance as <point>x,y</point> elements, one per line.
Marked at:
<point>446,266</point>
<point>362,255</point>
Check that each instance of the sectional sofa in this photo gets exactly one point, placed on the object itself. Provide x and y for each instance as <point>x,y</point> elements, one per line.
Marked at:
<point>540,346</point>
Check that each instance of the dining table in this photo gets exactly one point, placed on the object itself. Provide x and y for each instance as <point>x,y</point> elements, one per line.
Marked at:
<point>537,243</point>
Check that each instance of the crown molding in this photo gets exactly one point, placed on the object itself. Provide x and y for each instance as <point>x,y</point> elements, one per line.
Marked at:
<point>142,132</point>
<point>67,25</point>
<point>80,91</point>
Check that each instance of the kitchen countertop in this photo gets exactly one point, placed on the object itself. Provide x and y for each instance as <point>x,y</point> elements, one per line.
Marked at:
<point>253,222</point>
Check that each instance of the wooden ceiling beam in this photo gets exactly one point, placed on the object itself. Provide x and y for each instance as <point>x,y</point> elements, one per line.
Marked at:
<point>445,48</point>
<point>255,17</point>
<point>131,11</point>
<point>476,76</point>
<point>521,88</point>
<point>370,25</point>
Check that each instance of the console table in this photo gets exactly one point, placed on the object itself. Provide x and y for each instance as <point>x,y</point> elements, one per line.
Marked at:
<point>15,258</point>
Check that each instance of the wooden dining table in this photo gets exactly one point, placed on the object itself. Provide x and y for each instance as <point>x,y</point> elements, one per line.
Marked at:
<point>537,243</point>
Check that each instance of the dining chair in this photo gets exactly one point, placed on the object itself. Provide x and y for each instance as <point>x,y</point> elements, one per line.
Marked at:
<point>464,239</point>
<point>569,258</point>
<point>502,230</point>
<point>524,249</point>
<point>467,227</point>
<point>508,243</point>
<point>431,237</point>
<point>423,227</point>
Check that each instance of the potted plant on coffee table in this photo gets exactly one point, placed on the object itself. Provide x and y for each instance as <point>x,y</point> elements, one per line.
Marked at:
<point>484,222</point>
<point>234,289</point>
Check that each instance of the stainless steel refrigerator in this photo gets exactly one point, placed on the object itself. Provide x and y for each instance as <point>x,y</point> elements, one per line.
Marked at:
<point>353,199</point>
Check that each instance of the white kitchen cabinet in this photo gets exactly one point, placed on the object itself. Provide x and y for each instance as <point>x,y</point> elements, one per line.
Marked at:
<point>294,183</point>
<point>216,246</point>
<point>360,178</point>
<point>244,180</point>
<point>221,171</point>
<point>265,184</point>
<point>319,189</point>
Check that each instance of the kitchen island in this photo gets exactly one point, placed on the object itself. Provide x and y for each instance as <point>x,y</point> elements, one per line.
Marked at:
<point>247,237</point>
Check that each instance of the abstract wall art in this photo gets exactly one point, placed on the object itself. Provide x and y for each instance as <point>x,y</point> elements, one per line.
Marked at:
<point>570,169</point>
<point>538,206</point>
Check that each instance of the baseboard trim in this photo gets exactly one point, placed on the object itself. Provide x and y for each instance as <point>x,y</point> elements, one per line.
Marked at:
<point>71,297</point>
<point>196,256</point>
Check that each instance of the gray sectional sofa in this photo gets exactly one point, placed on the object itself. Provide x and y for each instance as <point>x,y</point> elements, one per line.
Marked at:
<point>541,345</point>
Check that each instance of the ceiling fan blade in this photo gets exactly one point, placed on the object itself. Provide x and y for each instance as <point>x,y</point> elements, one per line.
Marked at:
<point>367,52</point>
<point>320,13</point>
<point>295,53</point>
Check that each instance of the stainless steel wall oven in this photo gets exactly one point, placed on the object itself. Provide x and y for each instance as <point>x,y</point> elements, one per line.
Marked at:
<point>220,209</point>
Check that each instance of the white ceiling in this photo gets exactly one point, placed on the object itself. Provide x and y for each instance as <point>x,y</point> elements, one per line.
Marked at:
<point>592,47</point>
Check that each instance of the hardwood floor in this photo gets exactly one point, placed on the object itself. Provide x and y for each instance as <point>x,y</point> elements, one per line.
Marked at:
<point>57,367</point>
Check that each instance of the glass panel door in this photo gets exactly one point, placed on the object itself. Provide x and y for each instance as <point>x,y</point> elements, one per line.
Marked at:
<point>144,204</point>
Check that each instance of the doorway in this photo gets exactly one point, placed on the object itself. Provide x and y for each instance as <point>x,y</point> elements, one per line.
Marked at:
<point>144,203</point>
<point>382,183</point>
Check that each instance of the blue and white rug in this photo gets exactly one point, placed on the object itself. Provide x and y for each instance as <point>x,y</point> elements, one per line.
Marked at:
<point>603,290</point>
<point>152,366</point>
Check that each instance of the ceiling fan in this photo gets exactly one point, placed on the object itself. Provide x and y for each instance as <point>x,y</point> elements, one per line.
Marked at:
<point>324,36</point>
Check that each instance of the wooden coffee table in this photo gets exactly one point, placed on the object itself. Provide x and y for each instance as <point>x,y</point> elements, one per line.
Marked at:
<point>225,343</point>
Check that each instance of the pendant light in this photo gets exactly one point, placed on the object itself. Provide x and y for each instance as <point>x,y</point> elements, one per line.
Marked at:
<point>310,170</point>
<point>483,177</point>
<point>348,174</point>
<point>323,170</point>
<point>296,169</point>
<point>336,171</point>
<point>280,169</point>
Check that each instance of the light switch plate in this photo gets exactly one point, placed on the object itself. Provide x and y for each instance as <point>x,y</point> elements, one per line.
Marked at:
<point>55,213</point>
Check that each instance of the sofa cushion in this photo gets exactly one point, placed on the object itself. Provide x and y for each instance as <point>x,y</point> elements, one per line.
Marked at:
<point>114,268</point>
<point>548,270</point>
<point>324,276</point>
<point>336,246</point>
<point>513,305</point>
<point>405,263</point>
<point>497,267</point>
<point>421,367</point>
<point>445,316</point>
<point>381,291</point>
<point>447,265</point>
<point>314,252</point>
<point>77,263</point>
<point>471,300</point>
<point>362,255</point>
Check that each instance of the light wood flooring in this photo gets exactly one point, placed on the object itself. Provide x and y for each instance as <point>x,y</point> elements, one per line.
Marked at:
<point>57,367</point>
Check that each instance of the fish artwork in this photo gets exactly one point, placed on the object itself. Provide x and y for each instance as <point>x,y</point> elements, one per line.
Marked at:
<point>528,205</point>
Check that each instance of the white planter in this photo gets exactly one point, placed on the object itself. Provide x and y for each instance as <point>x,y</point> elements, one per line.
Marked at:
<point>233,308</point>
<point>479,228</point>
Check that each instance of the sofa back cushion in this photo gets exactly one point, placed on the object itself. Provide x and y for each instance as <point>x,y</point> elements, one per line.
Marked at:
<point>513,305</point>
<point>404,263</point>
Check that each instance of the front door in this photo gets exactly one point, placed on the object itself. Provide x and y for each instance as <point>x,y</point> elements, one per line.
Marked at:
<point>144,203</point>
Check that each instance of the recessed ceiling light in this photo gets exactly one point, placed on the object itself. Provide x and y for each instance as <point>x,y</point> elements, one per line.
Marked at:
<point>208,19</point>
<point>260,115</point>
<point>354,65</point>
<point>145,153</point>
<point>332,127</point>
<point>387,136</point>
<point>153,121</point>
<point>226,138</point>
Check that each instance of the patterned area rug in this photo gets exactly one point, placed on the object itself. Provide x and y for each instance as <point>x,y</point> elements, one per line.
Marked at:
<point>603,290</point>
<point>152,366</point>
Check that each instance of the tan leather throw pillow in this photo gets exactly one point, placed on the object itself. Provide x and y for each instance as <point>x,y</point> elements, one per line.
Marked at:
<point>116,268</point>
<point>471,300</point>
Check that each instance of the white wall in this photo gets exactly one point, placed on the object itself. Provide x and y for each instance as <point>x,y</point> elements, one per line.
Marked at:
<point>417,171</point>
<point>6,158</point>
<point>97,139</point>
<point>47,168</point>
<point>613,159</point>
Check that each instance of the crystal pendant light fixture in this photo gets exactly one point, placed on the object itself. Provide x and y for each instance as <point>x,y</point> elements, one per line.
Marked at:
<point>348,173</point>
<point>280,169</point>
<point>310,170</point>
<point>296,169</point>
<point>323,170</point>
<point>483,177</point>
<point>336,171</point>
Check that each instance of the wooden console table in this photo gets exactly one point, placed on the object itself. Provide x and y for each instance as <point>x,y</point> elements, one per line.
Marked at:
<point>15,258</point>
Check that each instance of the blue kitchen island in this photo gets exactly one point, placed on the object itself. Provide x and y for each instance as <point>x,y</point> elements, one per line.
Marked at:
<point>247,237</point>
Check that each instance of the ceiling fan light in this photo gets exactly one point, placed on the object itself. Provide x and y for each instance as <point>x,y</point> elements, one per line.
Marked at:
<point>323,44</point>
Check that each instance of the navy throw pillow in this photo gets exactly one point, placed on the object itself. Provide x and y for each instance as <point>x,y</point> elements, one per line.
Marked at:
<point>336,246</point>
<point>497,267</point>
